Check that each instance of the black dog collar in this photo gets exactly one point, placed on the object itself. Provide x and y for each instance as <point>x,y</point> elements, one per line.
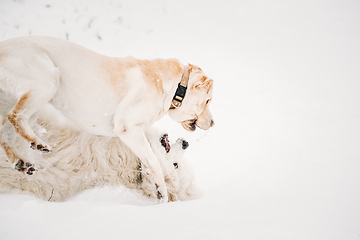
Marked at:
<point>181,89</point>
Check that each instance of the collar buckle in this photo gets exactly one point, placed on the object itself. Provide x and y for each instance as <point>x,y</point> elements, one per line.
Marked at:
<point>181,89</point>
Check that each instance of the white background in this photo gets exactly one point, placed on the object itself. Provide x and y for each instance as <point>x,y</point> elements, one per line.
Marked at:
<point>283,160</point>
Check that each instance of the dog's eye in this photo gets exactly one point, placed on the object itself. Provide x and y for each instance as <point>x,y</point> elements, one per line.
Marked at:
<point>175,165</point>
<point>207,101</point>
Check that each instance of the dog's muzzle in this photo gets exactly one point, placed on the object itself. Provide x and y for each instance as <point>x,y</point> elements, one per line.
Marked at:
<point>164,140</point>
<point>189,125</point>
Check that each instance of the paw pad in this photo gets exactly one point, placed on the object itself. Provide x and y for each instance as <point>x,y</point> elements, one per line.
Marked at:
<point>25,167</point>
<point>39,147</point>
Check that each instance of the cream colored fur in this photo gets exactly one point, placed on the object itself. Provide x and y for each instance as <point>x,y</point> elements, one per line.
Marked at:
<point>81,160</point>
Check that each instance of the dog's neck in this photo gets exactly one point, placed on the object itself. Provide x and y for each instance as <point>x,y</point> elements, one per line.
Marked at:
<point>181,89</point>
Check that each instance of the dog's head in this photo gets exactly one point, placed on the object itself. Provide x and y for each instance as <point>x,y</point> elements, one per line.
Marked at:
<point>178,174</point>
<point>194,111</point>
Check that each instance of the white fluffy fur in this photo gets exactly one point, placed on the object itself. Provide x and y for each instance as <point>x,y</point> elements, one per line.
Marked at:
<point>81,160</point>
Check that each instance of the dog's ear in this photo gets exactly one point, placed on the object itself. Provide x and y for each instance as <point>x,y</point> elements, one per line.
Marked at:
<point>193,68</point>
<point>205,83</point>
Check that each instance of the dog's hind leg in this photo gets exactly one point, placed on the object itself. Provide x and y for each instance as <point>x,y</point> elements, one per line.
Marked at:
<point>8,135</point>
<point>27,106</point>
<point>28,73</point>
<point>17,163</point>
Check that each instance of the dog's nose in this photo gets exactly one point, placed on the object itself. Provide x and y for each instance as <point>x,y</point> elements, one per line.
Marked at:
<point>212,123</point>
<point>184,143</point>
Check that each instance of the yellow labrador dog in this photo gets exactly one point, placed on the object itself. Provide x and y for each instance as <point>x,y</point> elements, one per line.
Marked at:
<point>101,95</point>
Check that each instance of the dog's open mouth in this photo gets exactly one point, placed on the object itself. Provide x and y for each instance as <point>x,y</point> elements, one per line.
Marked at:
<point>189,125</point>
<point>164,140</point>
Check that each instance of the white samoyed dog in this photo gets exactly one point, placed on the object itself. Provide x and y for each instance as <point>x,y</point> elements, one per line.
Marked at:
<point>81,161</point>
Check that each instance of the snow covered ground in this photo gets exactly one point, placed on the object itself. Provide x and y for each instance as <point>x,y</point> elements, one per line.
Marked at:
<point>283,160</point>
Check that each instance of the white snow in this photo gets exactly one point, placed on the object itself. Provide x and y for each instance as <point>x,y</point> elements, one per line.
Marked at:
<point>283,160</point>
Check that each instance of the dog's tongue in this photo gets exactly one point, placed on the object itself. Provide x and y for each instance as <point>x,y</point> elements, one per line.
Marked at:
<point>193,126</point>
<point>167,147</point>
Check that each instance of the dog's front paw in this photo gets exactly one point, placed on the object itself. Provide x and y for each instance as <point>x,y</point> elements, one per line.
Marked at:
<point>161,194</point>
<point>41,147</point>
<point>25,167</point>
